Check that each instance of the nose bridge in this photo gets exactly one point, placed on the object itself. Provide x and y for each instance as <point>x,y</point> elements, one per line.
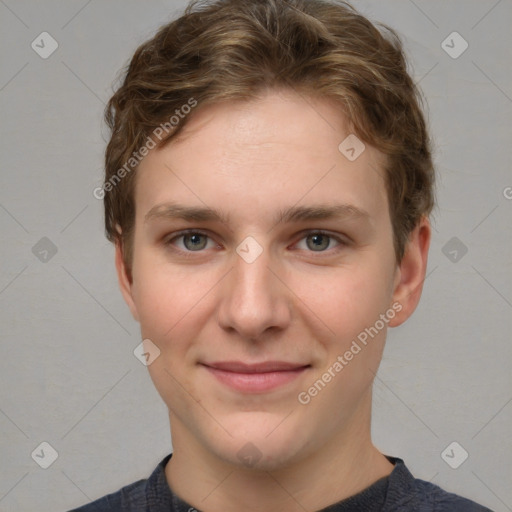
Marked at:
<point>251,275</point>
<point>254,300</point>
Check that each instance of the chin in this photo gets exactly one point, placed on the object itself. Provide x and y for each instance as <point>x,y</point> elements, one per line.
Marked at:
<point>265,443</point>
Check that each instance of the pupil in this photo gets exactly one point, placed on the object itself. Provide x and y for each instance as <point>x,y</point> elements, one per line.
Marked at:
<point>194,241</point>
<point>317,241</point>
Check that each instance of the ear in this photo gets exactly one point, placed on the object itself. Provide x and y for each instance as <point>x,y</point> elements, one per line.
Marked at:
<point>125,280</point>
<point>410,274</point>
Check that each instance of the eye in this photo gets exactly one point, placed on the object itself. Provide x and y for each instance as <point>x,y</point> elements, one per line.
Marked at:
<point>192,241</point>
<point>188,242</point>
<point>320,241</point>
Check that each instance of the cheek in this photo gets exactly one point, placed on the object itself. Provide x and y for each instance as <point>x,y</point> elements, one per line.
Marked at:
<point>170,313</point>
<point>344,301</point>
<point>162,293</point>
<point>173,306</point>
<point>349,309</point>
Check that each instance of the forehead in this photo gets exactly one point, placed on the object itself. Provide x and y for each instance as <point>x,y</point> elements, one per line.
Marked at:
<point>257,156</point>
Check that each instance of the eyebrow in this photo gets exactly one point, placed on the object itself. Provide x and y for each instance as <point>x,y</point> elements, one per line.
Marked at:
<point>289,215</point>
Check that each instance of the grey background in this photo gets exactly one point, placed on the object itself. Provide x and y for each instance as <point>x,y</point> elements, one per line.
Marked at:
<point>68,375</point>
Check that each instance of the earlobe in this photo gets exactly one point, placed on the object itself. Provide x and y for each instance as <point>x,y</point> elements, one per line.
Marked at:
<point>125,280</point>
<point>411,272</point>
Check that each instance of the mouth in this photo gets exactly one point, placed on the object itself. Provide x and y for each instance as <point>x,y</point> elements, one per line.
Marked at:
<point>255,378</point>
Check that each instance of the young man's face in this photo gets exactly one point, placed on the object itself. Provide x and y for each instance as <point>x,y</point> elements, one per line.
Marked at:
<point>246,326</point>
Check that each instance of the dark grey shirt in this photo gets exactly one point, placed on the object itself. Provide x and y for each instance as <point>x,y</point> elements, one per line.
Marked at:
<point>397,492</point>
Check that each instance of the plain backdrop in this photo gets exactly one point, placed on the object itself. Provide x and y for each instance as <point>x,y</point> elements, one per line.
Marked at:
<point>68,375</point>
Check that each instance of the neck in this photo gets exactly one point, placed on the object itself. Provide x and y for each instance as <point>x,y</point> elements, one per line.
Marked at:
<point>338,469</point>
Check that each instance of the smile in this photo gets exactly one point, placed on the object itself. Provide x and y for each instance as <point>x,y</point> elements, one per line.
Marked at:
<point>255,378</point>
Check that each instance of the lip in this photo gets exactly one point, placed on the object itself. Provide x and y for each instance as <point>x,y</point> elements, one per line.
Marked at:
<point>257,377</point>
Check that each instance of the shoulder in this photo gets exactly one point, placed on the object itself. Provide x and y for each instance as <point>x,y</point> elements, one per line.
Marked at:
<point>139,495</point>
<point>127,498</point>
<point>409,493</point>
<point>439,500</point>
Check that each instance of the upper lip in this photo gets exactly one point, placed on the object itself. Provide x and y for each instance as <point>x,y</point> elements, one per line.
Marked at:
<point>264,367</point>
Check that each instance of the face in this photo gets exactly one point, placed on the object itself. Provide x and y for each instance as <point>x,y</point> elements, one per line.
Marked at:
<point>262,256</point>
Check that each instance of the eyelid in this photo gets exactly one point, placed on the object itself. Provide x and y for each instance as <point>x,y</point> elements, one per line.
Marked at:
<point>342,239</point>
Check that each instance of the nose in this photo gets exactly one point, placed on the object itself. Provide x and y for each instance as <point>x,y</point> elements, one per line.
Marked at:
<point>255,299</point>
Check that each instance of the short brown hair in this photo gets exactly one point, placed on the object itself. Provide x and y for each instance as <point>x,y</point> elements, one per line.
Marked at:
<point>234,50</point>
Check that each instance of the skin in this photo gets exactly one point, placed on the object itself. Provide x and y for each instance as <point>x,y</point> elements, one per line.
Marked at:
<point>295,302</point>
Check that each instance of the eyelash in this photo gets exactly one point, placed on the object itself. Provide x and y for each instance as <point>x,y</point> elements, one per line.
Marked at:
<point>191,254</point>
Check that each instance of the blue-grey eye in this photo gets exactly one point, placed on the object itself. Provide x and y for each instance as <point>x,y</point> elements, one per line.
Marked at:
<point>319,242</point>
<point>196,243</point>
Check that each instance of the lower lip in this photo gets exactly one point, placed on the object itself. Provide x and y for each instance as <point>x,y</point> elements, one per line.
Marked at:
<point>256,382</point>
